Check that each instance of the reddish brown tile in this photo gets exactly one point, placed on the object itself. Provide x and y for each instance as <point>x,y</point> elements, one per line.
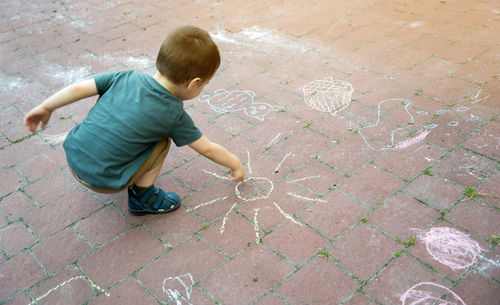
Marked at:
<point>476,217</point>
<point>363,251</point>
<point>19,273</point>
<point>477,289</point>
<point>16,205</point>
<point>61,213</point>
<point>434,192</point>
<point>246,277</point>
<point>333,216</point>
<point>119,258</point>
<point>365,185</point>
<point>298,252</point>
<point>15,237</point>
<point>102,226</point>
<point>486,141</point>
<point>319,282</point>
<point>410,214</point>
<point>349,155</point>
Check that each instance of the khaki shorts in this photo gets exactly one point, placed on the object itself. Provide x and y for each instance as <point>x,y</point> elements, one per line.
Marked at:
<point>156,158</point>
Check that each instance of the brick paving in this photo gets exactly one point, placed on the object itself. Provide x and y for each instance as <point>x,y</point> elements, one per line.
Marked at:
<point>343,200</point>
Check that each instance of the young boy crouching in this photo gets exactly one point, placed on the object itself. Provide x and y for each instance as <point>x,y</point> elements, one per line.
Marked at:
<point>125,138</point>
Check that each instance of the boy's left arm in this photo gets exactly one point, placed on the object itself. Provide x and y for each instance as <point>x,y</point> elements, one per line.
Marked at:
<point>70,94</point>
<point>220,155</point>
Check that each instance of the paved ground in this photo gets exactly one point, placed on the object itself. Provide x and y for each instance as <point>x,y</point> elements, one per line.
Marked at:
<point>365,206</point>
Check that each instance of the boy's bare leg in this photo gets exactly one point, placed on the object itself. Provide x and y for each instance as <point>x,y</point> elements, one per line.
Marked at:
<point>149,177</point>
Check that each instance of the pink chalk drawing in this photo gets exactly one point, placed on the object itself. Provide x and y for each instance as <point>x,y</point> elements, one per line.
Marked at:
<point>224,101</point>
<point>451,247</point>
<point>185,281</point>
<point>428,293</point>
<point>409,142</point>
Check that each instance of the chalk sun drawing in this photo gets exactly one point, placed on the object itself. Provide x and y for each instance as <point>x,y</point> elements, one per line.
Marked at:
<point>223,101</point>
<point>186,281</point>
<point>67,282</point>
<point>328,95</point>
<point>451,247</point>
<point>260,188</point>
<point>428,293</point>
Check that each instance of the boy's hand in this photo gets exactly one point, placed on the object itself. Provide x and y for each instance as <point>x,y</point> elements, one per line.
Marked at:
<point>238,174</point>
<point>35,116</point>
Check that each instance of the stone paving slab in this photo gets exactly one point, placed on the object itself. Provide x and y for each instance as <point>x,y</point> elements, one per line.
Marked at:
<point>391,199</point>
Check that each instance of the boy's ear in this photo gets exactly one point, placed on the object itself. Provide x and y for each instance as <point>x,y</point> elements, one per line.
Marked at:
<point>192,83</point>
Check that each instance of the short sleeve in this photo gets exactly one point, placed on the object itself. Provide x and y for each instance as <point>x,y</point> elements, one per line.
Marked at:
<point>185,132</point>
<point>103,82</point>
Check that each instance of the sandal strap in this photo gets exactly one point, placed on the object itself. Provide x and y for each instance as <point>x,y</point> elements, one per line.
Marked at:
<point>160,196</point>
<point>144,197</point>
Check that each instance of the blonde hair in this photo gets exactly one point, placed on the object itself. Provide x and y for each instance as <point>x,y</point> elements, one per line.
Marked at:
<point>188,52</point>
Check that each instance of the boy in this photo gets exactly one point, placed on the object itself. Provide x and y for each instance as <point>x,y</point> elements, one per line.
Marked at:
<point>125,138</point>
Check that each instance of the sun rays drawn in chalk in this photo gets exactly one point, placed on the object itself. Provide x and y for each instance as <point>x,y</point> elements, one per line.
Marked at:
<point>223,101</point>
<point>80,277</point>
<point>261,188</point>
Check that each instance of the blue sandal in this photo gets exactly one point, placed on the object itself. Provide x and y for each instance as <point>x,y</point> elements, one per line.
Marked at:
<point>165,202</point>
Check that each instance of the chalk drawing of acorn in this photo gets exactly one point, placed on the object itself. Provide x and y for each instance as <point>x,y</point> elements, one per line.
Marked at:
<point>328,95</point>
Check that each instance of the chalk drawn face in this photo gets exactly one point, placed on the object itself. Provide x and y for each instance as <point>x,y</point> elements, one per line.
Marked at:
<point>238,100</point>
<point>428,293</point>
<point>451,247</point>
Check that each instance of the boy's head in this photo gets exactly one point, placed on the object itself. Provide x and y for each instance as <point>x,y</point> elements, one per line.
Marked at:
<point>188,52</point>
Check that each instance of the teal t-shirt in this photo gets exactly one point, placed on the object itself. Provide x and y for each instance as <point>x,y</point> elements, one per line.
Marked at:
<point>133,112</point>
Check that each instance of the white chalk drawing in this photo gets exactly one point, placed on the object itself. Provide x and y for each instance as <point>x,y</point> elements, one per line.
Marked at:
<point>169,287</point>
<point>54,139</point>
<point>263,185</point>
<point>392,144</point>
<point>256,227</point>
<point>256,188</point>
<point>420,136</point>
<point>416,24</point>
<point>67,282</point>
<point>328,95</point>
<point>428,293</point>
<point>224,101</point>
<point>451,247</point>
<point>475,99</point>
<point>488,263</point>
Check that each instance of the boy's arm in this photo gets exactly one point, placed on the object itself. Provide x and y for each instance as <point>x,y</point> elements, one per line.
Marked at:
<point>65,96</point>
<point>220,155</point>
